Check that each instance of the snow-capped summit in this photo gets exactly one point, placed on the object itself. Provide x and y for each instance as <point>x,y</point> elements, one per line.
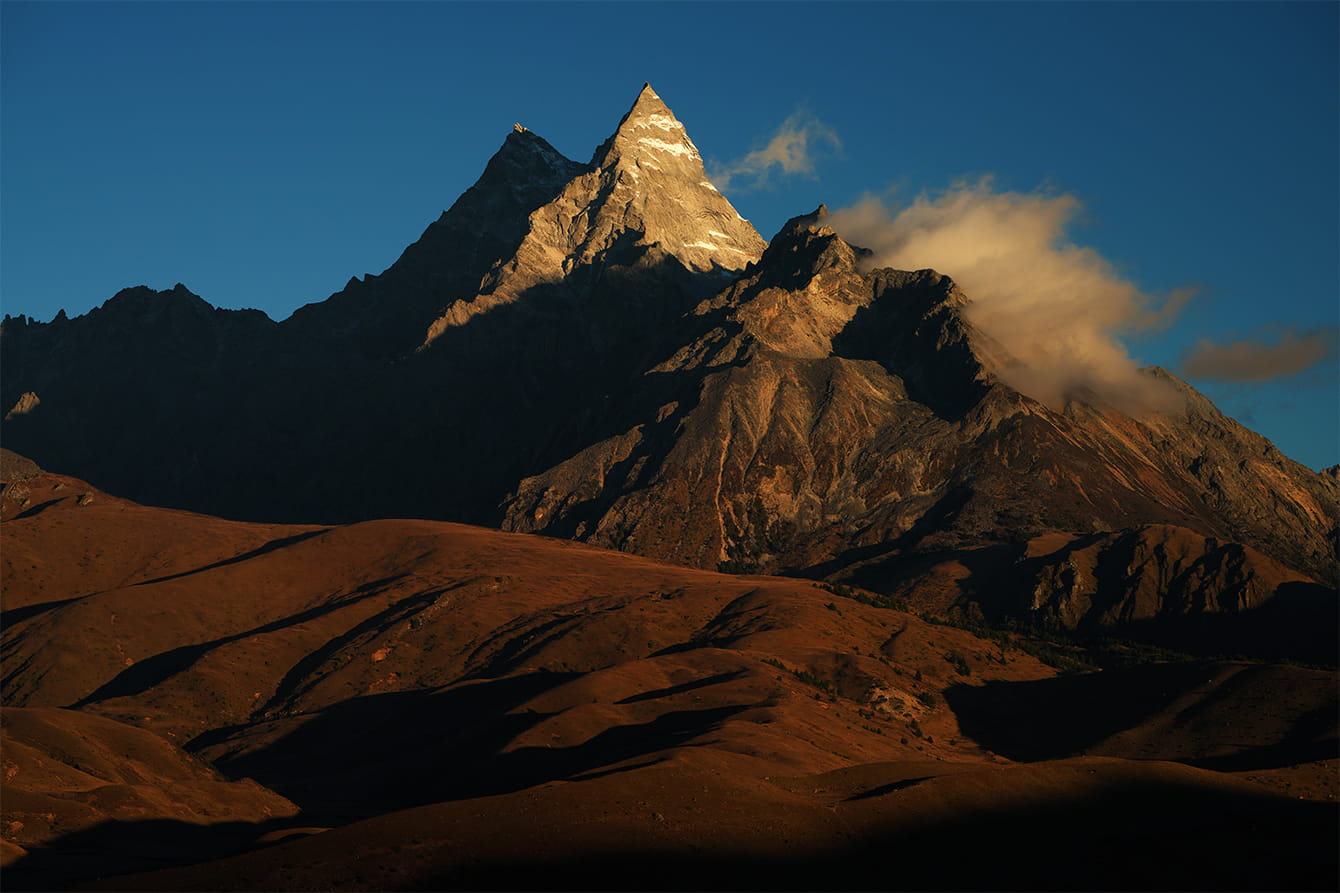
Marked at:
<point>644,190</point>
<point>656,177</point>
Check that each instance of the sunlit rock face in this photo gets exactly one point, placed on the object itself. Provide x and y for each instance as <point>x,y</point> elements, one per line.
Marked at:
<point>645,190</point>
<point>828,416</point>
<point>607,351</point>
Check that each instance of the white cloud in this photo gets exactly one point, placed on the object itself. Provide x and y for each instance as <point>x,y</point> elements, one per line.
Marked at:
<point>1055,307</point>
<point>794,149</point>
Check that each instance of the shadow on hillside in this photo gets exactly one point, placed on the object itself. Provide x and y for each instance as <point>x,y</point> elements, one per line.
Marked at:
<point>893,568</point>
<point>335,416</point>
<point>118,847</point>
<point>1298,623</point>
<point>1070,715</point>
<point>681,688</point>
<point>17,615</point>
<point>143,675</point>
<point>393,751</point>
<point>508,394</point>
<point>933,358</point>
<point>1147,836</point>
<point>271,546</point>
<point>1152,834</point>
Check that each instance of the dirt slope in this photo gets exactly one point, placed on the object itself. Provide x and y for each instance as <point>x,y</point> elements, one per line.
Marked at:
<point>700,821</point>
<point>471,708</point>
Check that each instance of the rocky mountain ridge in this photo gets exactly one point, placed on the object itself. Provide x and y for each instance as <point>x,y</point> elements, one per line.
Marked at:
<point>608,352</point>
<point>839,411</point>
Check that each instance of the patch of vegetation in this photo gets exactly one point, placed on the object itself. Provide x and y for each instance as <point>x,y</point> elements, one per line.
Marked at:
<point>807,676</point>
<point>1072,653</point>
<point>1063,656</point>
<point>1056,656</point>
<point>704,639</point>
<point>958,662</point>
<point>865,597</point>
<point>1110,653</point>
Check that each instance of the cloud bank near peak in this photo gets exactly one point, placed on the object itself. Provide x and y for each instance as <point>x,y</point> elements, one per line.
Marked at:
<point>794,149</point>
<point>1056,308</point>
<point>1254,360</point>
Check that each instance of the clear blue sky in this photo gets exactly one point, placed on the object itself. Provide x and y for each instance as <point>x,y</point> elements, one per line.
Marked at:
<point>262,153</point>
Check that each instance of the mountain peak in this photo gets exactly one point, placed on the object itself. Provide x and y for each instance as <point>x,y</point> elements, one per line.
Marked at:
<point>648,102</point>
<point>525,170</point>
<point>645,187</point>
<point>648,131</point>
<point>648,179</point>
<point>524,141</point>
<point>140,300</point>
<point>809,223</point>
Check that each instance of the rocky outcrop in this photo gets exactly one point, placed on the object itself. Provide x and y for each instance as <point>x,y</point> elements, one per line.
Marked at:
<point>27,402</point>
<point>827,413</point>
<point>1157,583</point>
<point>14,467</point>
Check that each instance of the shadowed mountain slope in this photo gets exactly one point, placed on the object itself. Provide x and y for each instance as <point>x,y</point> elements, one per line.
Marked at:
<point>73,773</point>
<point>693,824</point>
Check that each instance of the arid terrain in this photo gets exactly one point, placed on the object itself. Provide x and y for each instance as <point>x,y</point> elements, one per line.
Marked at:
<point>427,705</point>
<point>599,543</point>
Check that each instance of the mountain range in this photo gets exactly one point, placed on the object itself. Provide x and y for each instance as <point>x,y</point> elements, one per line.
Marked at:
<point>607,352</point>
<point>833,501</point>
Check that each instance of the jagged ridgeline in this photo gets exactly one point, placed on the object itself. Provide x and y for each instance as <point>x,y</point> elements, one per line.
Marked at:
<point>608,352</point>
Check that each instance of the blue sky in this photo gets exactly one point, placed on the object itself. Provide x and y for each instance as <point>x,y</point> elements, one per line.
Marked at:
<point>263,153</point>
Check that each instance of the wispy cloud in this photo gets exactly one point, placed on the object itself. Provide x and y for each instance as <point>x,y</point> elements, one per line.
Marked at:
<point>1251,359</point>
<point>1056,308</point>
<point>794,149</point>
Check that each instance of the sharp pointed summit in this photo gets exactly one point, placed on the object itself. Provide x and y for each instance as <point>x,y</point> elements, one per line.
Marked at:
<point>649,113</point>
<point>648,131</point>
<point>652,165</point>
<point>648,102</point>
<point>645,191</point>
